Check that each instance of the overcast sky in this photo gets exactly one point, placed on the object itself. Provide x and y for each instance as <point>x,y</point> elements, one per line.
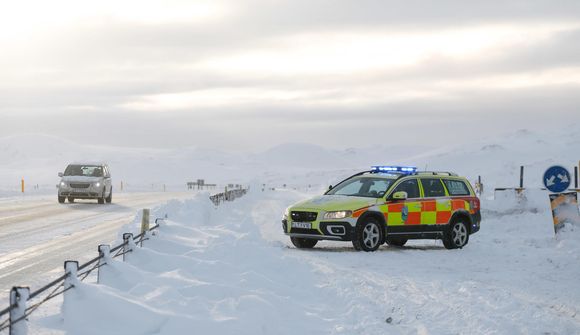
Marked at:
<point>247,75</point>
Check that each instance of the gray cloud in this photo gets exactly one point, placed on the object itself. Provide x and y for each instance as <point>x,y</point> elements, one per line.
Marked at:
<point>77,80</point>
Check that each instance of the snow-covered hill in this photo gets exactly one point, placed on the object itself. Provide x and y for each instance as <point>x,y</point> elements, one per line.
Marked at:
<point>38,159</point>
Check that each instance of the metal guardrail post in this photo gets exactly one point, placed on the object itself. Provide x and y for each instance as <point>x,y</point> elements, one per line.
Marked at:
<point>105,256</point>
<point>129,244</point>
<point>71,269</point>
<point>18,297</point>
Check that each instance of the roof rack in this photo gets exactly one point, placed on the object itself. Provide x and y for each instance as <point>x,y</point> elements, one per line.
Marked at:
<point>436,173</point>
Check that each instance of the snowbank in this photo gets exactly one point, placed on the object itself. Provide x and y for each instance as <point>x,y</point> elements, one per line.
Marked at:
<point>230,270</point>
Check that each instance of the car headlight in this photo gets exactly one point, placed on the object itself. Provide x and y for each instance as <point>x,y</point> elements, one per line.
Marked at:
<point>97,184</point>
<point>337,214</point>
<point>62,184</point>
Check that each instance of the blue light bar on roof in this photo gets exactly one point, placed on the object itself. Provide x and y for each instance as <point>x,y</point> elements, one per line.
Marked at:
<point>401,169</point>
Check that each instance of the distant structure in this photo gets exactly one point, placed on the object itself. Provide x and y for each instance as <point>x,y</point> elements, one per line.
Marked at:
<point>200,184</point>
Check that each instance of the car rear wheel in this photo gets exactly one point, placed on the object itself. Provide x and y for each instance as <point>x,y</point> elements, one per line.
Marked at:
<point>457,236</point>
<point>396,242</point>
<point>368,235</point>
<point>303,243</point>
<point>61,200</point>
<point>71,199</point>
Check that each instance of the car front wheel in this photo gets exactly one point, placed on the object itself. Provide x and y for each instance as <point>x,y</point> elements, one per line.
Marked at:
<point>109,199</point>
<point>368,235</point>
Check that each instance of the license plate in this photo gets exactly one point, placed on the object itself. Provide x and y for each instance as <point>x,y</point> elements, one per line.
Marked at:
<point>304,225</point>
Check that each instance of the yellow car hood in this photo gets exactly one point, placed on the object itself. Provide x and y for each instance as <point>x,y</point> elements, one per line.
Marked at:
<point>335,203</point>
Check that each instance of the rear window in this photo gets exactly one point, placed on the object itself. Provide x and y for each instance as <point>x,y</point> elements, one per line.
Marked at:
<point>456,187</point>
<point>433,187</point>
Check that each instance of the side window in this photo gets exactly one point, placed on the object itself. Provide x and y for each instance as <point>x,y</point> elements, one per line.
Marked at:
<point>410,186</point>
<point>456,187</point>
<point>433,187</point>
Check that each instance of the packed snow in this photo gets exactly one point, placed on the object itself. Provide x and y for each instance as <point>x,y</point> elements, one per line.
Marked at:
<point>231,270</point>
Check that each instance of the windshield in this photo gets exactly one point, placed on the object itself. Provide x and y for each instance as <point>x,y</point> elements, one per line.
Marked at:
<point>84,170</point>
<point>370,187</point>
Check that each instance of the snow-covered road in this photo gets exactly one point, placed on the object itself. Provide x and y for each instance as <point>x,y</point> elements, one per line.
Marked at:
<point>37,234</point>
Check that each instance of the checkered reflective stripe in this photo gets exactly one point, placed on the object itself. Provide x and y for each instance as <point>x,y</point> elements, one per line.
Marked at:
<point>429,211</point>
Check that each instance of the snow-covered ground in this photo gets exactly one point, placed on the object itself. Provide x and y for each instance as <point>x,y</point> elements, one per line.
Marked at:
<point>231,271</point>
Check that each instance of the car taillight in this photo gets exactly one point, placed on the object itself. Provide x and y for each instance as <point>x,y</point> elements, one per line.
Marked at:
<point>474,204</point>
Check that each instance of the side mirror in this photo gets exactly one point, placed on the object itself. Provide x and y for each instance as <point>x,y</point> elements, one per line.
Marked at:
<point>329,187</point>
<point>401,195</point>
<point>60,174</point>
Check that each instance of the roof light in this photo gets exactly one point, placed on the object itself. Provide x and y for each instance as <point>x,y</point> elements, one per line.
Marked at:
<point>401,169</point>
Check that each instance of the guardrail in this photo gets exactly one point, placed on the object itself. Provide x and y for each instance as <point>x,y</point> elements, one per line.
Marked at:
<point>20,297</point>
<point>230,195</point>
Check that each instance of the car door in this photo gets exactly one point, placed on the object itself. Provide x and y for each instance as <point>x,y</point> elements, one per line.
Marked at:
<point>405,212</point>
<point>436,204</point>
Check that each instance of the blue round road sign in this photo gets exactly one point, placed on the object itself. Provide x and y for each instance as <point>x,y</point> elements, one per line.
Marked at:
<point>556,179</point>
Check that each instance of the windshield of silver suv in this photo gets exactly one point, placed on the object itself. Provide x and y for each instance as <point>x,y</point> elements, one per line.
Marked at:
<point>369,187</point>
<point>84,170</point>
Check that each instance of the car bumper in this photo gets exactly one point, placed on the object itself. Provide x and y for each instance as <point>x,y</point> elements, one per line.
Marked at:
<point>80,194</point>
<point>475,222</point>
<point>335,231</point>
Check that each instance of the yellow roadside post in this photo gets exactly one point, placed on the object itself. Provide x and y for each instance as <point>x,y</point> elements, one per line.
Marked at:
<point>22,185</point>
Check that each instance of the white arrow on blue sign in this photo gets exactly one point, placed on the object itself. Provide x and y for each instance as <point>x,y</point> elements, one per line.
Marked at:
<point>556,179</point>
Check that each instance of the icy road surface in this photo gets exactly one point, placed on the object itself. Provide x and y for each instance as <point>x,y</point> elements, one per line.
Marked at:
<point>37,234</point>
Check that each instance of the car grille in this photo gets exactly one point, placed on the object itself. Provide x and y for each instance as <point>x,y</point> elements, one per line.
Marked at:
<point>80,185</point>
<point>303,216</point>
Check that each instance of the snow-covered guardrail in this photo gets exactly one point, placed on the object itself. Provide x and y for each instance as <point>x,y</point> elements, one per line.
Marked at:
<point>23,303</point>
<point>230,195</point>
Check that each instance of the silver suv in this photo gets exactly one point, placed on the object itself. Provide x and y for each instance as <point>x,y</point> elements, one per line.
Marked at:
<point>85,181</point>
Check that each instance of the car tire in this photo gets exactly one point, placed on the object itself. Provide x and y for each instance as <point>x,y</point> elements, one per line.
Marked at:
<point>71,199</point>
<point>457,235</point>
<point>101,200</point>
<point>396,242</point>
<point>61,199</point>
<point>303,243</point>
<point>368,235</point>
<point>109,199</point>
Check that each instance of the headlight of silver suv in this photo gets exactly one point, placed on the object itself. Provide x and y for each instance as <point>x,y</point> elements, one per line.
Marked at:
<point>337,214</point>
<point>97,184</point>
<point>62,184</point>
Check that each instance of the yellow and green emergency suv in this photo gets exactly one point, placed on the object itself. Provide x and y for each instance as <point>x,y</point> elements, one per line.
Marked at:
<point>388,204</point>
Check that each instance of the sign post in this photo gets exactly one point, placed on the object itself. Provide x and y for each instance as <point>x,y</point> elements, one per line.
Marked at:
<point>564,205</point>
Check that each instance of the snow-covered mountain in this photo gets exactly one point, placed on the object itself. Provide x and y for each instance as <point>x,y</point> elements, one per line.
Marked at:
<point>38,159</point>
